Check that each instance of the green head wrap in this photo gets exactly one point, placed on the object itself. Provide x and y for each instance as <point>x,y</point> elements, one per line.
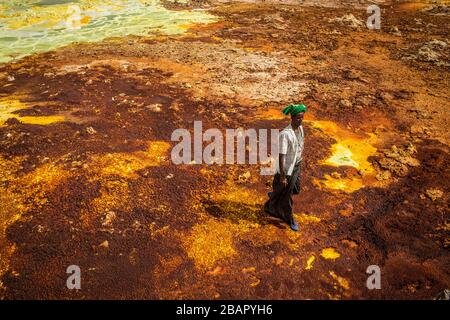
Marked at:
<point>294,109</point>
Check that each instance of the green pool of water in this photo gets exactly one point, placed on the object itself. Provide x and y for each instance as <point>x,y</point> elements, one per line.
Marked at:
<point>30,26</point>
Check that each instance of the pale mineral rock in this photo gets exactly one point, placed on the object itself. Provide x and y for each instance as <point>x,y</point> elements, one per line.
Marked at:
<point>434,194</point>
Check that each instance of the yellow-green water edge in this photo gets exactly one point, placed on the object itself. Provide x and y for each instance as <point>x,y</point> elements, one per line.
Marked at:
<point>32,26</point>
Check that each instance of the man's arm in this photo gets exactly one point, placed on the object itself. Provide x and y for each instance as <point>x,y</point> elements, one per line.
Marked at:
<point>283,150</point>
<point>282,162</point>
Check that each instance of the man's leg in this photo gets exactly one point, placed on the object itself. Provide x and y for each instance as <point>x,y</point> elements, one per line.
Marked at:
<point>280,202</point>
<point>270,207</point>
<point>294,185</point>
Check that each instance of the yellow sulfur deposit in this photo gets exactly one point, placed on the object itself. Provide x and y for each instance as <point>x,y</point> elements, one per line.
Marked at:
<point>212,241</point>
<point>340,280</point>
<point>126,164</point>
<point>113,170</point>
<point>309,263</point>
<point>8,107</point>
<point>339,183</point>
<point>330,254</point>
<point>341,156</point>
<point>307,218</point>
<point>349,150</point>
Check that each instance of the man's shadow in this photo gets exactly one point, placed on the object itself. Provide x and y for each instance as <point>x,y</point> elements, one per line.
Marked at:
<point>238,211</point>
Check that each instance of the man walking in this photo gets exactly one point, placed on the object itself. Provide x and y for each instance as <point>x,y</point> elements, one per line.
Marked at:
<point>286,181</point>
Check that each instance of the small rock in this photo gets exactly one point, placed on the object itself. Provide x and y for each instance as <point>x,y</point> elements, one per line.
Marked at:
<point>136,225</point>
<point>248,270</point>
<point>395,31</point>
<point>174,106</point>
<point>91,130</point>
<point>109,217</point>
<point>410,161</point>
<point>394,166</point>
<point>224,117</point>
<point>104,244</point>
<point>347,211</point>
<point>335,175</point>
<point>443,295</point>
<point>133,256</point>
<point>156,107</point>
<point>214,272</point>
<point>345,103</point>
<point>418,129</point>
<point>434,194</point>
<point>385,175</point>
<point>398,159</point>
<point>349,20</point>
<point>278,260</point>
<point>244,177</point>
